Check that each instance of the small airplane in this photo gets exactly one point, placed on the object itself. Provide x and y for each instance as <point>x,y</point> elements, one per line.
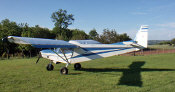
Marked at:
<point>77,51</point>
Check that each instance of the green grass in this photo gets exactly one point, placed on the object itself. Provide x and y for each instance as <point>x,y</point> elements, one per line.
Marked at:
<point>154,73</point>
<point>161,47</point>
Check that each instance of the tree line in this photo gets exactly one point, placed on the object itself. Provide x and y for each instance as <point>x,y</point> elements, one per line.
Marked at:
<point>60,31</point>
<point>171,42</point>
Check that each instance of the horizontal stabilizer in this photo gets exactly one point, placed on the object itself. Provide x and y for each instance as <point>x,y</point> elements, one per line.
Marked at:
<point>41,43</point>
<point>134,44</point>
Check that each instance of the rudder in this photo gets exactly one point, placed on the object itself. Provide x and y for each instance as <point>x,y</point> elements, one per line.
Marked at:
<point>142,36</point>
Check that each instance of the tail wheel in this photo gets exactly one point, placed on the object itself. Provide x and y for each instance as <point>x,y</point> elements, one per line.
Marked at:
<point>50,67</point>
<point>77,66</point>
<point>64,70</point>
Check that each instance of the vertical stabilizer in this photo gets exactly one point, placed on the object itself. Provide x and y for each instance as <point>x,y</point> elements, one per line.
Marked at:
<point>142,36</point>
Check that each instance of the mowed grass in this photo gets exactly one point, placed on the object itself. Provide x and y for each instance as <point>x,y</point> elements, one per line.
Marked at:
<point>161,47</point>
<point>154,73</point>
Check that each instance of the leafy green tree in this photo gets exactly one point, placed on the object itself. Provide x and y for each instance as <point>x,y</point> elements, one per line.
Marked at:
<point>93,34</point>
<point>165,43</point>
<point>57,31</point>
<point>9,28</point>
<point>173,41</point>
<point>36,32</point>
<point>111,36</point>
<point>65,35</point>
<point>1,45</point>
<point>27,32</point>
<point>62,20</point>
<point>26,50</point>
<point>79,35</point>
<point>124,37</point>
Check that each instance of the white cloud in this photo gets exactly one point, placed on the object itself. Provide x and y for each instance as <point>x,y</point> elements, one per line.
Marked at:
<point>171,35</point>
<point>155,33</point>
<point>161,34</point>
<point>170,25</point>
<point>139,13</point>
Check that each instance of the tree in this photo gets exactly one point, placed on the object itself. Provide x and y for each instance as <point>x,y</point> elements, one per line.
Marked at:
<point>9,28</point>
<point>165,43</point>
<point>65,35</point>
<point>1,45</point>
<point>124,37</point>
<point>79,35</point>
<point>61,19</point>
<point>36,32</point>
<point>173,41</point>
<point>111,36</point>
<point>93,34</point>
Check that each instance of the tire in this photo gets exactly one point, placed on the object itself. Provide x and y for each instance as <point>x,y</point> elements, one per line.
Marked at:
<point>63,70</point>
<point>77,66</point>
<point>50,67</point>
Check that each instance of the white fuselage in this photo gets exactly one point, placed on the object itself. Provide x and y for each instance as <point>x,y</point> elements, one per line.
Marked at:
<point>87,52</point>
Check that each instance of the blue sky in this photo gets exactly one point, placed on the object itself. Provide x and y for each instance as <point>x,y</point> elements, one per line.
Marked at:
<point>125,16</point>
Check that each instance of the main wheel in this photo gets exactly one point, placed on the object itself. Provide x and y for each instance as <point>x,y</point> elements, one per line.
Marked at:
<point>64,70</point>
<point>77,66</point>
<point>50,67</point>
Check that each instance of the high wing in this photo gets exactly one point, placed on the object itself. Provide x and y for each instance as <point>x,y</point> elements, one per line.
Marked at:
<point>76,51</point>
<point>40,42</point>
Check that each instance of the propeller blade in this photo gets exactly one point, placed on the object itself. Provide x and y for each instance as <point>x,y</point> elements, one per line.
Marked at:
<point>38,58</point>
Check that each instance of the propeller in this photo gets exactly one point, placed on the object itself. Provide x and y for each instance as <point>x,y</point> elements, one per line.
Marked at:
<point>39,56</point>
<point>4,42</point>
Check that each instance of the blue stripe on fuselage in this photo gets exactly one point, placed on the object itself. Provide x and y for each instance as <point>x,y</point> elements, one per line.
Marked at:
<point>92,49</point>
<point>99,52</point>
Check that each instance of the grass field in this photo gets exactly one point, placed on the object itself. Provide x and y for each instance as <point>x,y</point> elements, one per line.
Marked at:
<point>161,47</point>
<point>154,73</point>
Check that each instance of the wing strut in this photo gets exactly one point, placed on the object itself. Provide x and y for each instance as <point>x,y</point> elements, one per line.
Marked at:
<point>65,58</point>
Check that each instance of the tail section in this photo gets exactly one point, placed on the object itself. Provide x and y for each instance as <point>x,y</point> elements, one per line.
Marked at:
<point>142,36</point>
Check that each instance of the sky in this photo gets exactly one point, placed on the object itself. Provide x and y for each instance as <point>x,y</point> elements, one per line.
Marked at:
<point>125,16</point>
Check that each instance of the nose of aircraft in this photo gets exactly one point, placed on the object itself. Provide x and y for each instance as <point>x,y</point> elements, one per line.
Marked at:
<point>5,40</point>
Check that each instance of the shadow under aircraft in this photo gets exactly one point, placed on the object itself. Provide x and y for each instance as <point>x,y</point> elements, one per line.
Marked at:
<point>131,75</point>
